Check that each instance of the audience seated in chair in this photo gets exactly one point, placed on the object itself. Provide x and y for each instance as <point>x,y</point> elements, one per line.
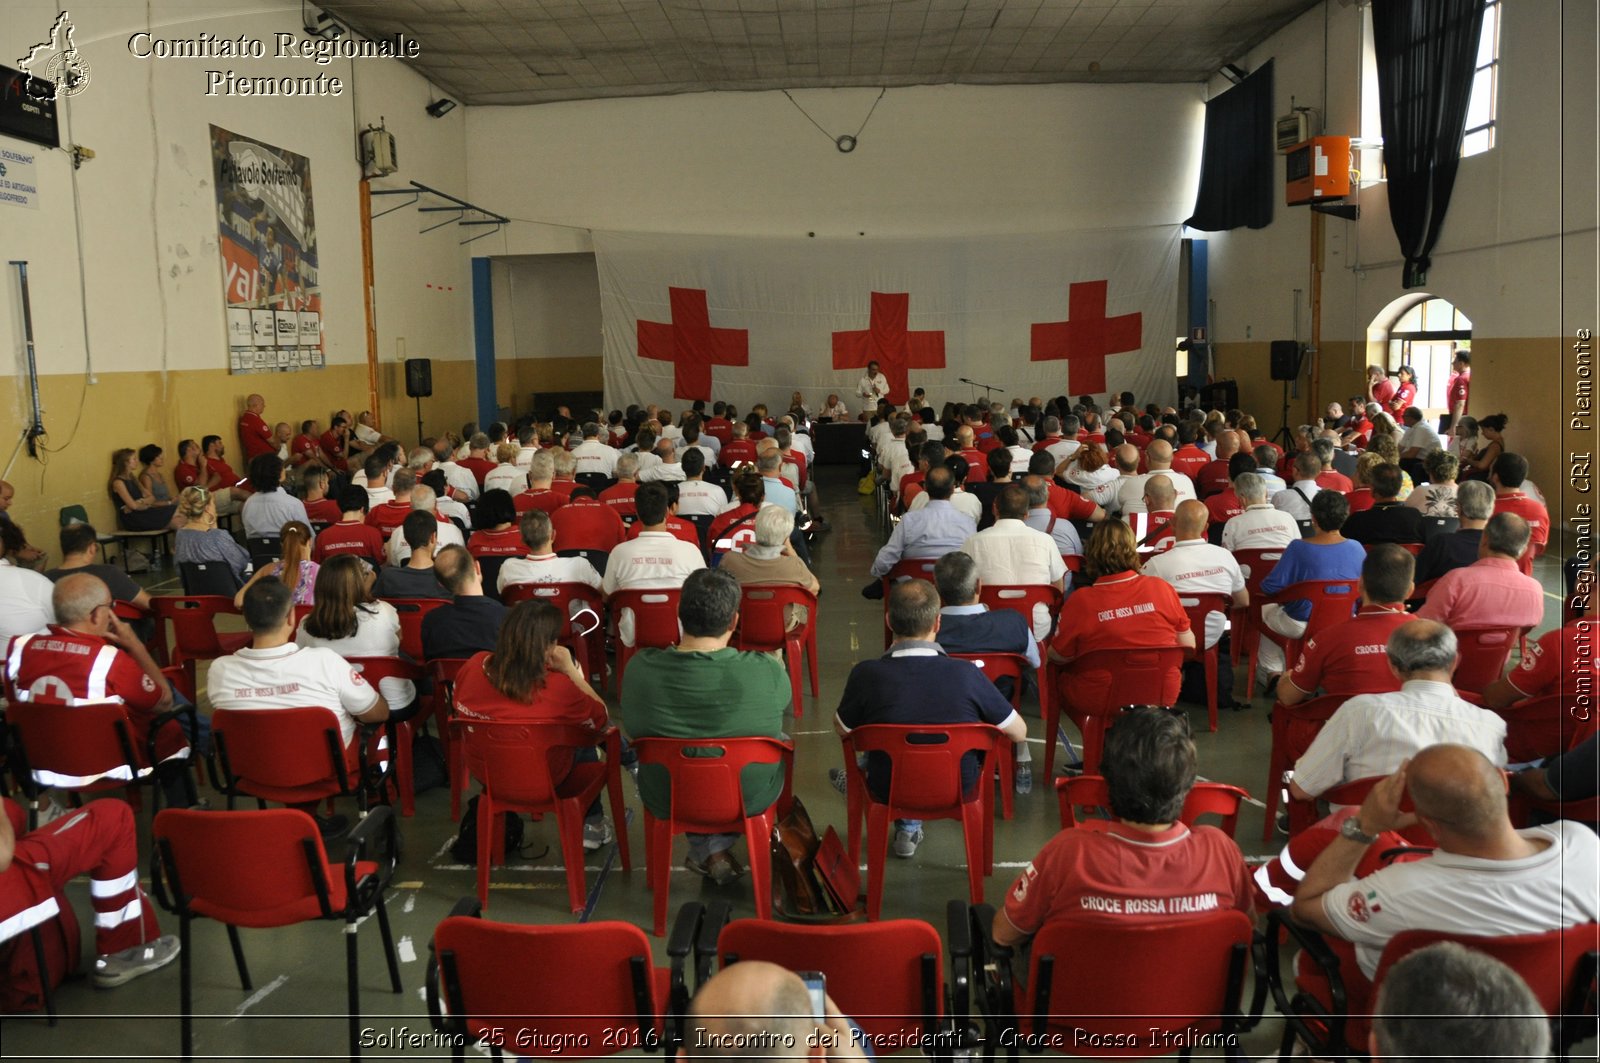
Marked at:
<point>1451,1001</point>
<point>348,620</point>
<point>757,1003</point>
<point>1485,877</point>
<point>1194,566</point>
<point>80,552</point>
<point>200,540</point>
<point>1146,866</point>
<point>541,564</point>
<point>653,560</point>
<point>770,561</point>
<point>471,622</point>
<point>1492,591</point>
<point>1458,549</point>
<point>424,499</point>
<point>1372,734</point>
<point>895,689</point>
<point>1324,555</point>
<point>351,535</point>
<point>665,694</point>
<point>274,672</point>
<point>1508,475</point>
<point>1261,525</point>
<point>1012,554</point>
<point>929,531</point>
<point>1350,657</point>
<point>293,567</point>
<point>270,507</point>
<point>1387,520</point>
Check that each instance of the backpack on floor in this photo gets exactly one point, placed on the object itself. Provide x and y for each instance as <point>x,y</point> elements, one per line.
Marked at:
<point>21,988</point>
<point>465,848</point>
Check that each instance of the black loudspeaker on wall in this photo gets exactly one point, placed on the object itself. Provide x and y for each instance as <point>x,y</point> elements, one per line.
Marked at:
<point>1286,358</point>
<point>419,377</point>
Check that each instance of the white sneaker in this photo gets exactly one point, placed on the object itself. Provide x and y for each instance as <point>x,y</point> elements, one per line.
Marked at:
<point>596,834</point>
<point>124,966</point>
<point>906,842</point>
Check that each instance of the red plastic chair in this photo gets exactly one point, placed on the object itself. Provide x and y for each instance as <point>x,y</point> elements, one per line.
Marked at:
<point>1021,598</point>
<point>924,783</point>
<point>997,666</point>
<point>1332,600</point>
<point>81,749</point>
<point>291,755</point>
<point>1174,982</point>
<point>442,673</point>
<point>888,975</point>
<point>1305,814</point>
<point>1483,655</point>
<point>268,868</point>
<point>1293,729</point>
<point>707,799</point>
<point>1255,564</point>
<point>1543,727</point>
<point>1205,799</point>
<point>398,734</point>
<point>411,611</point>
<point>512,764</point>
<point>492,983</point>
<point>1199,607</point>
<point>132,614</point>
<point>763,619</point>
<point>655,621</point>
<point>909,568</point>
<point>194,632</point>
<point>1132,677</point>
<point>585,637</point>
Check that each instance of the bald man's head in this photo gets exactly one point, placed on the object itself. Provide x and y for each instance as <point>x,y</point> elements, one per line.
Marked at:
<point>1227,444</point>
<point>1457,788</point>
<point>1159,454</point>
<point>750,1010</point>
<point>1127,457</point>
<point>1190,519</point>
<point>1159,494</point>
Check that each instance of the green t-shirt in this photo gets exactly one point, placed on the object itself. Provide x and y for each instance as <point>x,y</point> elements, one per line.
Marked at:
<point>668,693</point>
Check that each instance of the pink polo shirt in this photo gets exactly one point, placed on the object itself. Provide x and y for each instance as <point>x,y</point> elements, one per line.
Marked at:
<point>1490,592</point>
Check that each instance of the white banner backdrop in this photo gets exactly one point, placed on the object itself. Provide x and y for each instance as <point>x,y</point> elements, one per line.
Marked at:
<point>752,319</point>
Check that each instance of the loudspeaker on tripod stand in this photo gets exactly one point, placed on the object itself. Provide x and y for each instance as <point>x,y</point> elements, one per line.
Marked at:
<point>1287,356</point>
<point>419,378</point>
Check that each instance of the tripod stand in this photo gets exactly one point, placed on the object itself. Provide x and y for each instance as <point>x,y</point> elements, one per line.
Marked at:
<point>1283,432</point>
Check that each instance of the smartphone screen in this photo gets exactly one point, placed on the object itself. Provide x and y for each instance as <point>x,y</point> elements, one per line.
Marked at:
<point>816,985</point>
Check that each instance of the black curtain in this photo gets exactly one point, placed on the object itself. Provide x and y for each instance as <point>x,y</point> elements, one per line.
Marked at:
<point>1427,53</point>
<point>1236,159</point>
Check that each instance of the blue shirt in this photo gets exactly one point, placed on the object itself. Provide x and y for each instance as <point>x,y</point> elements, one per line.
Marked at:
<point>979,629</point>
<point>1305,560</point>
<point>932,531</point>
<point>781,494</point>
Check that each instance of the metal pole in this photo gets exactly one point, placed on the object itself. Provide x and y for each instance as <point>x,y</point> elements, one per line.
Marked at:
<point>37,427</point>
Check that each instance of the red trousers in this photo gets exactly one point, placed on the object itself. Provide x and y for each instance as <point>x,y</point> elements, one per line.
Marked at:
<point>97,840</point>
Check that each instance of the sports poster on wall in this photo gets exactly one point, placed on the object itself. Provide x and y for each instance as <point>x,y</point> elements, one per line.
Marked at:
<point>271,297</point>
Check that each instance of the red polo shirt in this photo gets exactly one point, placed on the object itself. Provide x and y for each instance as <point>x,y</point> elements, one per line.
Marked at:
<point>1224,507</point>
<point>1189,460</point>
<point>746,532</point>
<point>1334,480</point>
<point>229,478</point>
<point>1108,872</point>
<point>1069,505</point>
<point>504,543</point>
<point>1565,661</point>
<point>1213,478</point>
<point>333,448</point>
<point>388,516</point>
<point>977,465</point>
<point>185,475</point>
<point>739,450</point>
<point>619,496</point>
<point>1124,610</point>
<point>1360,498</point>
<point>323,511</point>
<point>348,537</point>
<point>302,448</point>
<point>587,525</point>
<point>255,435</point>
<point>547,499</point>
<point>1530,510</point>
<point>719,428</point>
<point>1349,657</point>
<point>478,467</point>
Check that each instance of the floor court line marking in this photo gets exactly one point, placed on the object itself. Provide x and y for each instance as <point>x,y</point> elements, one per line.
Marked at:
<point>257,997</point>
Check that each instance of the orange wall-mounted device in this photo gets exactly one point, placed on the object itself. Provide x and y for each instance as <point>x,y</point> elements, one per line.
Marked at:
<point>1317,170</point>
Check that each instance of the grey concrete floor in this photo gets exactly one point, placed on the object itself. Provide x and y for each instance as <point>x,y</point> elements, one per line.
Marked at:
<point>297,1008</point>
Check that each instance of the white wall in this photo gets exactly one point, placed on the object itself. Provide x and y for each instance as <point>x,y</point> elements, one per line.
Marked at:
<point>1499,256</point>
<point>936,160</point>
<point>546,307</point>
<point>148,209</point>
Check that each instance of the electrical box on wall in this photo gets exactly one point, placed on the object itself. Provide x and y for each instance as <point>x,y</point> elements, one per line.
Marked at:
<point>1317,170</point>
<point>1290,131</point>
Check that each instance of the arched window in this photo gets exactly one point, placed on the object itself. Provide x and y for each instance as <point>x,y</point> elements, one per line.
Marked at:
<point>1426,336</point>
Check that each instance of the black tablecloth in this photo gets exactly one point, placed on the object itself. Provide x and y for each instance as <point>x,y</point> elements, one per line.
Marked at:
<point>839,442</point>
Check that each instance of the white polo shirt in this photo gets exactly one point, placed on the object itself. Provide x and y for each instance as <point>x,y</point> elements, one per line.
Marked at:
<point>1260,527</point>
<point>594,456</point>
<point>1062,449</point>
<point>1295,499</point>
<point>653,560</point>
<point>964,501</point>
<point>509,477</point>
<point>458,478</point>
<point>1553,889</point>
<point>1372,733</point>
<point>696,498</point>
<point>547,568</point>
<point>1130,490</point>
<point>399,551</point>
<point>291,676</point>
<point>1194,566</point>
<point>377,635</point>
<point>25,605</point>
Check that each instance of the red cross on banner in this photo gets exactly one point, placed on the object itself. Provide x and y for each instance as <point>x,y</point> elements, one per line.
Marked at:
<point>887,342</point>
<point>691,344</point>
<point>1086,338</point>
